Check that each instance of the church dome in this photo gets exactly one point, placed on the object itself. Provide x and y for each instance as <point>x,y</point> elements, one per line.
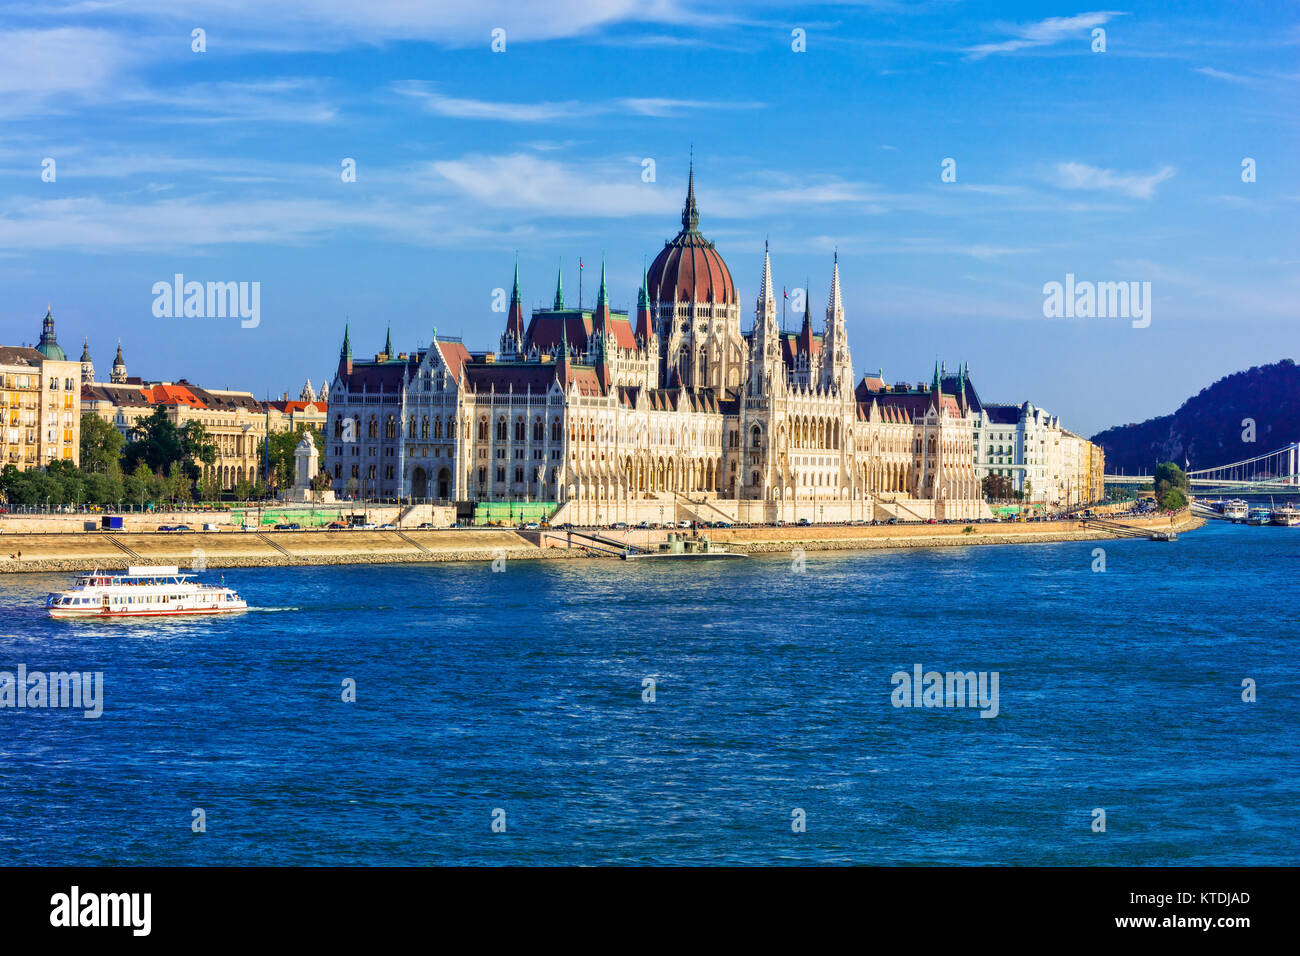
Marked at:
<point>688,268</point>
<point>49,345</point>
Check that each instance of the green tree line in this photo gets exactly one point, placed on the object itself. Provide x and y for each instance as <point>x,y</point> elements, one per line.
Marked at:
<point>157,462</point>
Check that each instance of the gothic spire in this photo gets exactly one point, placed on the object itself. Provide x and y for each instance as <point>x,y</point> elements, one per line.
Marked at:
<point>643,321</point>
<point>765,293</point>
<point>690,214</point>
<point>515,318</point>
<point>559,287</point>
<point>835,308</point>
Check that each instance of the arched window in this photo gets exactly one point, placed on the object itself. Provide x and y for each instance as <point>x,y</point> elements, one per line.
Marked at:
<point>756,437</point>
<point>501,429</point>
<point>521,431</point>
<point>482,429</point>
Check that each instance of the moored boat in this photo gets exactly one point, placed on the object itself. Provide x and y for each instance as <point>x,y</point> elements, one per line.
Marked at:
<point>1236,510</point>
<point>148,591</point>
<point>1259,516</point>
<point>1288,516</point>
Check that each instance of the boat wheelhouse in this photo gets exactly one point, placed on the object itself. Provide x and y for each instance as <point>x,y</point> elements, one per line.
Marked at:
<point>142,591</point>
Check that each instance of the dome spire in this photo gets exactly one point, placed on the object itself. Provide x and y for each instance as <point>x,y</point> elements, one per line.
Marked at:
<point>690,214</point>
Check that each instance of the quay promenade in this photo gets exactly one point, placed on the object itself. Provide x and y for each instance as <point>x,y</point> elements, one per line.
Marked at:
<point>23,552</point>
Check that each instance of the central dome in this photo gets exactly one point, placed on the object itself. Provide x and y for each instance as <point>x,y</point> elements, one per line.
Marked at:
<point>688,268</point>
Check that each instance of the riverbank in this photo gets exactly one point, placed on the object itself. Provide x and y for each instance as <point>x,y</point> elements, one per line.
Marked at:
<point>84,551</point>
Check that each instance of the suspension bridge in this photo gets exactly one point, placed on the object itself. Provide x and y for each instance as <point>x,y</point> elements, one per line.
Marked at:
<point>1273,472</point>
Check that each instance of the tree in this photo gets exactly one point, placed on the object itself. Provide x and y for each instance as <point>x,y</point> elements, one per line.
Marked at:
<point>281,456</point>
<point>101,445</point>
<point>197,449</point>
<point>136,485</point>
<point>1173,500</point>
<point>155,441</point>
<point>997,487</point>
<point>1169,477</point>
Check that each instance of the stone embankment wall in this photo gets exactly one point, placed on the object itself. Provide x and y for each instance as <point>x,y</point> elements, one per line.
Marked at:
<point>78,551</point>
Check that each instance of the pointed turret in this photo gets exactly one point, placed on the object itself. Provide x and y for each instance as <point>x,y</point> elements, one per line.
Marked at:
<point>87,365</point>
<point>118,375</point>
<point>388,344</point>
<point>559,287</point>
<point>644,321</point>
<point>837,367</point>
<point>345,353</point>
<point>805,330</point>
<point>515,319</point>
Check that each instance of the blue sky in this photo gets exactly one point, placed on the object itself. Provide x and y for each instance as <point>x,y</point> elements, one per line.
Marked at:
<point>225,166</point>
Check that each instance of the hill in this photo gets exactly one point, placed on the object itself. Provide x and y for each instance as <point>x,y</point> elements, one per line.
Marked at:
<point>1207,428</point>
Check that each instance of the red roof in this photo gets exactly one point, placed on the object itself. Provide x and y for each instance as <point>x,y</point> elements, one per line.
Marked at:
<point>294,405</point>
<point>454,356</point>
<point>172,395</point>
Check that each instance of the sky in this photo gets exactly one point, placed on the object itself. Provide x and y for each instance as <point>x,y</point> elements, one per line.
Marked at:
<point>227,164</point>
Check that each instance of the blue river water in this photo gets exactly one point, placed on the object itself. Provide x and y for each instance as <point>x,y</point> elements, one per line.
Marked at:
<point>522,692</point>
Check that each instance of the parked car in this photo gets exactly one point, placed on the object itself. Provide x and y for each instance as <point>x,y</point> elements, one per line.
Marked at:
<point>532,526</point>
<point>388,526</point>
<point>619,526</point>
<point>683,524</point>
<point>644,524</point>
<point>424,526</point>
<point>804,522</point>
<point>166,527</point>
<point>182,527</point>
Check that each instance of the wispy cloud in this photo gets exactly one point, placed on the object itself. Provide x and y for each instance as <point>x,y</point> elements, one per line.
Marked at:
<point>459,107</point>
<point>1222,75</point>
<point>1082,176</point>
<point>1043,33</point>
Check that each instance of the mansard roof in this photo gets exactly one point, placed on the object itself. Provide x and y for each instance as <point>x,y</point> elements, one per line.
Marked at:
<point>116,394</point>
<point>1003,414</point>
<point>544,329</point>
<point>371,376</point>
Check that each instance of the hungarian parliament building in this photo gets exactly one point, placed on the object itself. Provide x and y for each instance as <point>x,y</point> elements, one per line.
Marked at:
<point>671,413</point>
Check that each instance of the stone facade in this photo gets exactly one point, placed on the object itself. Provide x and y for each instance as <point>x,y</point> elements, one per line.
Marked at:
<point>678,413</point>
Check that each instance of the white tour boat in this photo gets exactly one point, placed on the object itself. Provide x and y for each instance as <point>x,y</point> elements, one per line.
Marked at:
<point>140,592</point>
<point>1236,510</point>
